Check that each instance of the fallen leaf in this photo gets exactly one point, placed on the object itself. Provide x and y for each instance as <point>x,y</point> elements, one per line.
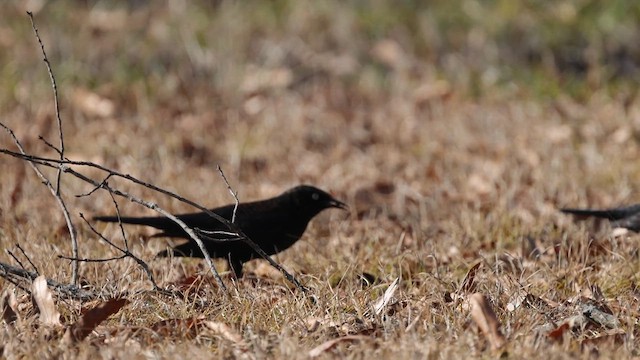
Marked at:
<point>558,333</point>
<point>486,319</point>
<point>9,305</point>
<point>388,295</point>
<point>468,284</point>
<point>43,297</point>
<point>91,319</point>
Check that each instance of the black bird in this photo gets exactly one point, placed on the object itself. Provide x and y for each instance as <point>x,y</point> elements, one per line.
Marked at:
<point>273,224</point>
<point>624,217</point>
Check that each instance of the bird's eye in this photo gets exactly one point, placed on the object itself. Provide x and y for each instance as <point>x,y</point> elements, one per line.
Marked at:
<point>315,196</point>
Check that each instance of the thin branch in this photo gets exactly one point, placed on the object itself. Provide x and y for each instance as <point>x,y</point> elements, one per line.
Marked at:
<point>115,204</point>
<point>14,257</point>
<point>126,253</point>
<point>56,193</point>
<point>234,194</point>
<point>16,275</point>
<point>27,257</point>
<point>55,95</point>
<point>213,235</point>
<point>93,260</point>
<point>50,145</point>
<point>96,188</point>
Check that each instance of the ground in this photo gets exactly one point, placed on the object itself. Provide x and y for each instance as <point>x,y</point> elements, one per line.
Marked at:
<point>453,130</point>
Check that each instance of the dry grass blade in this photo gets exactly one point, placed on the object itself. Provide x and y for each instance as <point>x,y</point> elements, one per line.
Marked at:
<point>487,321</point>
<point>318,350</point>
<point>43,296</point>
<point>91,319</point>
<point>9,306</point>
<point>388,295</point>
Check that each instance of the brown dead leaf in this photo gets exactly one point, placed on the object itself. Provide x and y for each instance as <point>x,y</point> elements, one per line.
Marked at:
<point>486,319</point>
<point>318,350</point>
<point>91,319</point>
<point>9,306</point>
<point>468,284</point>
<point>558,333</point>
<point>43,297</point>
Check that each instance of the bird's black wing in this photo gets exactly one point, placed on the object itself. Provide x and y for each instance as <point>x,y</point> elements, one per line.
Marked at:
<point>610,214</point>
<point>169,228</point>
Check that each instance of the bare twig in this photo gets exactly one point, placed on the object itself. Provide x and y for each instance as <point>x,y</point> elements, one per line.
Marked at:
<point>56,192</point>
<point>125,253</point>
<point>18,276</point>
<point>55,95</point>
<point>215,235</point>
<point>94,260</point>
<point>233,193</point>
<point>49,145</point>
<point>14,257</point>
<point>115,204</point>
<point>24,253</point>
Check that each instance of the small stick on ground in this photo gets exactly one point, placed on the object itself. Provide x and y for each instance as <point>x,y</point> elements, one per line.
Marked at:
<point>20,277</point>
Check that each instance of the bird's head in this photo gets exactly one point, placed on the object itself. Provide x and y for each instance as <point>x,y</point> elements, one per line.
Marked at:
<point>310,200</point>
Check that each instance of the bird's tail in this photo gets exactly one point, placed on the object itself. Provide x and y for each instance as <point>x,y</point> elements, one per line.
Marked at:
<point>610,214</point>
<point>156,222</point>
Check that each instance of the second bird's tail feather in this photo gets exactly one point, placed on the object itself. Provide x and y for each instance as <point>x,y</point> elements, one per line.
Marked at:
<point>612,214</point>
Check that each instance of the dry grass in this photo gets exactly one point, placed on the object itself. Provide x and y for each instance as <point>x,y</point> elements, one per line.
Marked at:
<point>443,165</point>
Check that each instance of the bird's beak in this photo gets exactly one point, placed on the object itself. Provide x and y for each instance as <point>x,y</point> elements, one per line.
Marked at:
<point>338,204</point>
